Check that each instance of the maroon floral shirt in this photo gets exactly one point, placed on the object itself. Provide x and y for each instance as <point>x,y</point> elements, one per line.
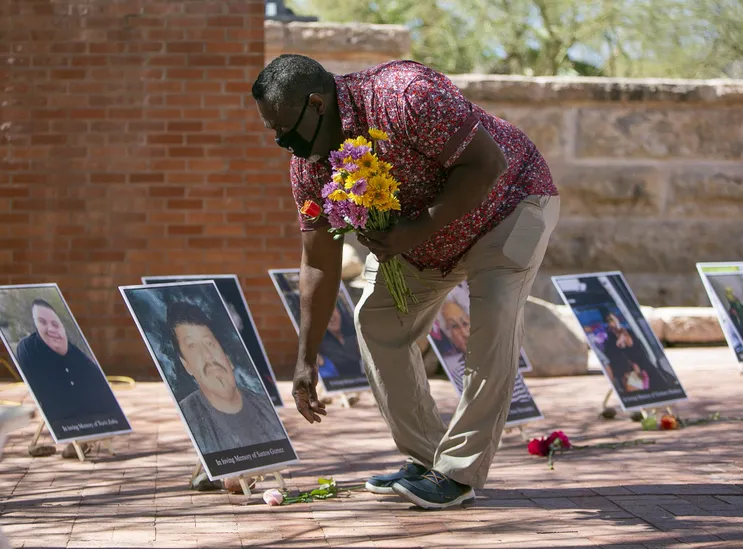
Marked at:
<point>429,123</point>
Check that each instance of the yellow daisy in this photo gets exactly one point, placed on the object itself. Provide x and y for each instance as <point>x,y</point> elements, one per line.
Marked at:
<point>378,135</point>
<point>338,195</point>
<point>368,163</point>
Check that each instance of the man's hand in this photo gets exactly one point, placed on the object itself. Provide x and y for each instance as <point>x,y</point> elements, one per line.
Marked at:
<point>305,393</point>
<point>402,237</point>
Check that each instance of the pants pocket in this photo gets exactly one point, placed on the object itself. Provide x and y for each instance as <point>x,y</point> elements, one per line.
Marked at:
<point>523,241</point>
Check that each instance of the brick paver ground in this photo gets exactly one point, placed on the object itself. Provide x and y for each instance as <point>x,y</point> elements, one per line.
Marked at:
<point>686,490</point>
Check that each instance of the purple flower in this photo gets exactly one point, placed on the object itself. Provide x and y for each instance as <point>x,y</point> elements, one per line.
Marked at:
<point>359,187</point>
<point>336,212</point>
<point>329,188</point>
<point>357,216</point>
<point>350,167</point>
<point>336,158</point>
<point>355,152</point>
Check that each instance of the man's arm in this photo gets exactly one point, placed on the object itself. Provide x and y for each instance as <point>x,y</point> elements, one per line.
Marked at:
<point>469,180</point>
<point>319,281</point>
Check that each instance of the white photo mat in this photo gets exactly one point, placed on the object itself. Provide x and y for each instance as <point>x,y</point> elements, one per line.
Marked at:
<point>279,465</point>
<point>622,307</point>
<point>59,440</point>
<point>710,270</point>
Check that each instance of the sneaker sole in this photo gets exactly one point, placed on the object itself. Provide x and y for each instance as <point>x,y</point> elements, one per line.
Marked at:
<point>381,490</point>
<point>404,493</point>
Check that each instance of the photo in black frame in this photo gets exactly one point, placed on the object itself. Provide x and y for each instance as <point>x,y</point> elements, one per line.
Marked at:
<point>631,355</point>
<point>205,364</point>
<point>340,367</point>
<point>229,287</point>
<point>448,338</point>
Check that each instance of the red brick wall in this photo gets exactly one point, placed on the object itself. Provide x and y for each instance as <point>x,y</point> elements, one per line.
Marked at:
<point>129,146</point>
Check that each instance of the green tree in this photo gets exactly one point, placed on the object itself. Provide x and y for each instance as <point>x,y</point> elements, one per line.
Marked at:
<point>634,38</point>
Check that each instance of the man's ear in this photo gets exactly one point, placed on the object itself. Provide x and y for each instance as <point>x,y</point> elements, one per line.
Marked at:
<point>318,102</point>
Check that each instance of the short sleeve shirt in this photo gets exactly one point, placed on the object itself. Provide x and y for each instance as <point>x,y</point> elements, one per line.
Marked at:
<point>429,123</point>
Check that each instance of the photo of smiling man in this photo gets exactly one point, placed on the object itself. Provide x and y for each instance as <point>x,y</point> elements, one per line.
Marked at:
<point>57,364</point>
<point>223,400</point>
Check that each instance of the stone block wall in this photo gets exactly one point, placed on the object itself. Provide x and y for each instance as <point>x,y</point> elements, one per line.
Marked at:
<point>650,173</point>
<point>340,48</point>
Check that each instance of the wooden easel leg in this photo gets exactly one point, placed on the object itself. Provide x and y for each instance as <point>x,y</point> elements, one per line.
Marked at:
<point>522,433</point>
<point>280,480</point>
<point>606,399</point>
<point>37,434</point>
<point>78,450</point>
<point>196,472</point>
<point>245,486</point>
<point>670,411</point>
<point>344,401</point>
<point>110,446</point>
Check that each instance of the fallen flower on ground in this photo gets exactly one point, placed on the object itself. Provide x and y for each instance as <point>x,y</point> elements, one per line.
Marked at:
<point>669,422</point>
<point>558,441</point>
<point>327,488</point>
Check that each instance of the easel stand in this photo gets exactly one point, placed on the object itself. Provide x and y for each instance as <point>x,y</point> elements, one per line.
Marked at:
<point>606,400</point>
<point>347,399</point>
<point>509,430</point>
<point>75,444</point>
<point>520,429</point>
<point>653,411</point>
<point>347,402</point>
<point>246,482</point>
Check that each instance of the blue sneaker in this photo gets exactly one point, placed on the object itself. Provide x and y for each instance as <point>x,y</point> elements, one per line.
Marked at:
<point>382,484</point>
<point>433,490</point>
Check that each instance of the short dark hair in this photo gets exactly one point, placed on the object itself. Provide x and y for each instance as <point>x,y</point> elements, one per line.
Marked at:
<point>289,79</point>
<point>183,312</point>
<point>38,302</point>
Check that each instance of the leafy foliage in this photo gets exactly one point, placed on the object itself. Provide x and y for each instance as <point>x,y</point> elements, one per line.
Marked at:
<point>633,38</point>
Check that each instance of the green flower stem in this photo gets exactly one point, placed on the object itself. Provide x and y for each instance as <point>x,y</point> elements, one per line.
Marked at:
<point>392,271</point>
<point>606,445</point>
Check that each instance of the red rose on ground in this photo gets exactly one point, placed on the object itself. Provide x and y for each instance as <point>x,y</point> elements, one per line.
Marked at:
<point>668,423</point>
<point>563,438</point>
<point>311,209</point>
<point>539,447</point>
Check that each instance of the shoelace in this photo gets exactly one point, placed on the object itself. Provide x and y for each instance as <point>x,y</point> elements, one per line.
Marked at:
<point>435,477</point>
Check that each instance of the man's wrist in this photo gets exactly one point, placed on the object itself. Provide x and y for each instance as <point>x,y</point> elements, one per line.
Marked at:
<point>306,363</point>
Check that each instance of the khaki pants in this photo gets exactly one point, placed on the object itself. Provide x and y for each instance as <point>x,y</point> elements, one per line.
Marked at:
<point>500,269</point>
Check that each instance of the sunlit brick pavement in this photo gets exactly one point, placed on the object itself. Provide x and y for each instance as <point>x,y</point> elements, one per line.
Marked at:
<point>686,490</point>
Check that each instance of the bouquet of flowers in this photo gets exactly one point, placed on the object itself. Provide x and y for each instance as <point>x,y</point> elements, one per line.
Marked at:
<point>362,194</point>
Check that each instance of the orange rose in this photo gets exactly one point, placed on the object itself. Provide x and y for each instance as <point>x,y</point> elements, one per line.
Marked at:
<point>311,209</point>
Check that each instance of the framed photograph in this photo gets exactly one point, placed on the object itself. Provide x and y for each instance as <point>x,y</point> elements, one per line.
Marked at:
<point>449,336</point>
<point>524,362</point>
<point>724,285</point>
<point>340,367</point>
<point>230,290</point>
<point>631,355</point>
<point>223,402</point>
<point>57,364</point>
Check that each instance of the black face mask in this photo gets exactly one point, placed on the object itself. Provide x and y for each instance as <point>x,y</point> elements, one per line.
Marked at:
<point>294,142</point>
